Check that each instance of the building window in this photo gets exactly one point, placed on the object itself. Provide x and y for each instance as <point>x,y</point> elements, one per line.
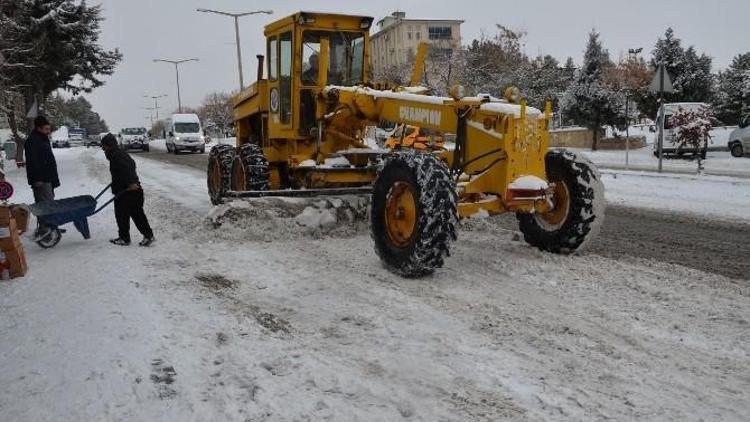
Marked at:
<point>419,35</point>
<point>440,32</point>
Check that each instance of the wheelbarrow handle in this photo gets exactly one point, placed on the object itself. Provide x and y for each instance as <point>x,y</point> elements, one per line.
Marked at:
<point>102,192</point>
<point>117,195</point>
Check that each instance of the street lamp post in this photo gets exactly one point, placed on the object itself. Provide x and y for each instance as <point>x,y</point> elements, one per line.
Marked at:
<point>236,17</point>
<point>151,113</point>
<point>632,53</point>
<point>156,102</point>
<point>176,64</point>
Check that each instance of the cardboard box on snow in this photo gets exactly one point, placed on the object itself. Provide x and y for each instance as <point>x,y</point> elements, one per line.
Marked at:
<point>9,238</point>
<point>21,213</point>
<point>17,262</point>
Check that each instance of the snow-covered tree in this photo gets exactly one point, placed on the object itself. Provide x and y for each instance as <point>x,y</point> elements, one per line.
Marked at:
<point>733,96</point>
<point>56,44</point>
<point>692,131</point>
<point>590,100</point>
<point>690,72</point>
<point>74,112</point>
<point>494,63</point>
<point>216,111</point>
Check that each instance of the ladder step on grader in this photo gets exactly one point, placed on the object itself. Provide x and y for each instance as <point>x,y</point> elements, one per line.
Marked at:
<point>300,132</point>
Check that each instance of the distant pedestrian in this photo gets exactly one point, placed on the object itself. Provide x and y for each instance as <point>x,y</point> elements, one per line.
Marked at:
<point>41,167</point>
<point>130,203</point>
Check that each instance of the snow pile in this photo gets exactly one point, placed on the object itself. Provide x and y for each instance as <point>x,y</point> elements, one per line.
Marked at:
<point>270,219</point>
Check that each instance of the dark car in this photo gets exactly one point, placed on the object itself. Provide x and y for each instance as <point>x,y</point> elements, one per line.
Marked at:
<point>61,143</point>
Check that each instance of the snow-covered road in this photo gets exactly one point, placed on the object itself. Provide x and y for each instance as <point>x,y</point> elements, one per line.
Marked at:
<point>216,324</point>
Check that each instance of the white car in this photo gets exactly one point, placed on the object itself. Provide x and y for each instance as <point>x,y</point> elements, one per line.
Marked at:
<point>184,133</point>
<point>739,139</point>
<point>133,138</point>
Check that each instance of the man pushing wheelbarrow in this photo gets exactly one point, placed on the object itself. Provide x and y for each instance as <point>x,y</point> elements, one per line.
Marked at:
<point>127,196</point>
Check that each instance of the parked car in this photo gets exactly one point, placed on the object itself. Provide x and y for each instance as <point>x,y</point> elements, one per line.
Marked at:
<point>133,138</point>
<point>93,141</point>
<point>184,133</point>
<point>671,148</point>
<point>60,143</point>
<point>739,139</point>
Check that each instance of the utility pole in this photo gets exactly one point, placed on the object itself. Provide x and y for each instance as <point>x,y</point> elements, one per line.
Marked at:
<point>176,64</point>
<point>236,17</point>
<point>156,102</point>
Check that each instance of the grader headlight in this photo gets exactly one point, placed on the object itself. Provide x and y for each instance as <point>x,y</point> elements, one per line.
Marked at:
<point>457,92</point>
<point>512,94</point>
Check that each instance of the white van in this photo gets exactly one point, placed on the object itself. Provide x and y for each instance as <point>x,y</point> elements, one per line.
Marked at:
<point>670,109</point>
<point>184,133</point>
<point>739,139</point>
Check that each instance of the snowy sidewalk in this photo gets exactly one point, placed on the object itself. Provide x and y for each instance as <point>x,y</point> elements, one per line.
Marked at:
<point>714,197</point>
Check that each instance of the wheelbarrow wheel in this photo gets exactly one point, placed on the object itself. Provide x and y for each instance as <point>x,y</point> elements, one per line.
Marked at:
<point>52,239</point>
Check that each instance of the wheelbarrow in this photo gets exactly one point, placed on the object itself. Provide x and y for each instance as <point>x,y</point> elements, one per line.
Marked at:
<point>76,210</point>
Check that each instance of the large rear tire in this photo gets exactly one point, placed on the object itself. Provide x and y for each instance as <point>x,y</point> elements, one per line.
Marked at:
<point>578,206</point>
<point>250,169</point>
<point>413,214</point>
<point>219,172</point>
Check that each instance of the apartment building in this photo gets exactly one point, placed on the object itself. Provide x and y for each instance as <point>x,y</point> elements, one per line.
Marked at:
<point>396,41</point>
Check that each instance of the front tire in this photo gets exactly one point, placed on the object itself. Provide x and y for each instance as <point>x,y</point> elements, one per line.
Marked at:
<point>250,169</point>
<point>413,214</point>
<point>736,150</point>
<point>578,211</point>
<point>219,172</point>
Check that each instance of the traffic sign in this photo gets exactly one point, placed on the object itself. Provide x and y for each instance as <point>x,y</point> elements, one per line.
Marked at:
<point>661,83</point>
<point>6,191</point>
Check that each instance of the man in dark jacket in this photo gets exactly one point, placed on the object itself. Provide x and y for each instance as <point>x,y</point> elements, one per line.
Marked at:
<point>41,167</point>
<point>130,203</point>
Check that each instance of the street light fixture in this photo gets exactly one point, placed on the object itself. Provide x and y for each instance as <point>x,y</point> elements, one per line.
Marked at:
<point>156,102</point>
<point>176,63</point>
<point>236,17</point>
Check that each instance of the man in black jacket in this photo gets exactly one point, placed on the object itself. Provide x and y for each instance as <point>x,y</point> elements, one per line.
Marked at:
<point>41,167</point>
<point>130,203</point>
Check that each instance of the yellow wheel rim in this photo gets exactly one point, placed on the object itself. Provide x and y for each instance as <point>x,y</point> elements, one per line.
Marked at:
<point>561,206</point>
<point>215,175</point>
<point>401,214</point>
<point>238,176</point>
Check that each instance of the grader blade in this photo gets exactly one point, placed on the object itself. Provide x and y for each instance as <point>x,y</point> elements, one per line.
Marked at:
<point>300,193</point>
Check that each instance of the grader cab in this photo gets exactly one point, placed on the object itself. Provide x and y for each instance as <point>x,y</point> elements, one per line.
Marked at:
<point>301,128</point>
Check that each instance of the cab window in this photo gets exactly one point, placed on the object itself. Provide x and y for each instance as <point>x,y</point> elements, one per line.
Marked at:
<point>346,57</point>
<point>285,77</point>
<point>310,57</point>
<point>273,59</point>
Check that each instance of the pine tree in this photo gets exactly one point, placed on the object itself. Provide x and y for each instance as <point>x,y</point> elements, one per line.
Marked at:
<point>690,72</point>
<point>590,101</point>
<point>733,96</point>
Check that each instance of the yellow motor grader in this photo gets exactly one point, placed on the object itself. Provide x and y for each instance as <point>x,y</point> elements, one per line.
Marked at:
<point>301,128</point>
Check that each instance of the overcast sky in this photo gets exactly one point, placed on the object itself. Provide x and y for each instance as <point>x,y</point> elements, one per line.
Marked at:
<point>172,29</point>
